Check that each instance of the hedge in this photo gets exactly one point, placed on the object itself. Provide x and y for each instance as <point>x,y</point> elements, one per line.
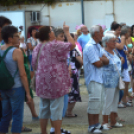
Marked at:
<point>20,2</point>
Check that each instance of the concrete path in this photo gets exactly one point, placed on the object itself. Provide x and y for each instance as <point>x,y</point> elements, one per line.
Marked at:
<point>79,125</point>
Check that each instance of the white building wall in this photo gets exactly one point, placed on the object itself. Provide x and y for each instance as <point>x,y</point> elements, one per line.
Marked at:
<point>95,12</point>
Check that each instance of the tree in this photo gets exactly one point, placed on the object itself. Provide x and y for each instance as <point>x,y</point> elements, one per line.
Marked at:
<point>20,2</point>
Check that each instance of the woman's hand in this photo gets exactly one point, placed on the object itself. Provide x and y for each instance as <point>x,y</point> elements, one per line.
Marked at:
<point>29,99</point>
<point>65,28</point>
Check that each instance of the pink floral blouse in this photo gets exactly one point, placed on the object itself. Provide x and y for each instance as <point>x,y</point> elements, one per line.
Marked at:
<point>52,75</point>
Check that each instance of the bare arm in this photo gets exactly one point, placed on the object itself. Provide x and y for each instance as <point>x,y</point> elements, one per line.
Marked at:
<point>120,46</point>
<point>103,61</point>
<point>69,38</point>
<point>30,46</point>
<point>122,60</point>
<point>18,56</point>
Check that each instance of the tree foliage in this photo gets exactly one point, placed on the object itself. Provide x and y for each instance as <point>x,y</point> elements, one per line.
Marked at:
<point>20,2</point>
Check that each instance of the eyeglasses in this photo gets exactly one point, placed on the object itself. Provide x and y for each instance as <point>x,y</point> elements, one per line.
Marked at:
<point>17,36</point>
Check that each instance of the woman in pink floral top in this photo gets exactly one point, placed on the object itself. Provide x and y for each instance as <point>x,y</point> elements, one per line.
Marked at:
<point>52,75</point>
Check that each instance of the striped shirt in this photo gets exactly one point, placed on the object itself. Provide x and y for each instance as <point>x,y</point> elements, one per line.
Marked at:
<point>91,54</point>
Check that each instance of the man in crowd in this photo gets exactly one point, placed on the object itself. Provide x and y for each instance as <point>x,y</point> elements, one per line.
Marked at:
<point>3,22</point>
<point>94,60</point>
<point>85,36</point>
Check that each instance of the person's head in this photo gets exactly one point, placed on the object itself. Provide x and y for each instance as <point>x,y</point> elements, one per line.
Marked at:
<point>22,39</point>
<point>112,24</point>
<point>117,29</point>
<point>109,40</point>
<point>3,22</point>
<point>123,24</point>
<point>59,34</point>
<point>78,32</point>
<point>96,33</point>
<point>125,31</point>
<point>32,31</point>
<point>84,29</point>
<point>10,35</point>
<point>72,35</point>
<point>45,33</point>
<point>75,36</point>
<point>132,30</point>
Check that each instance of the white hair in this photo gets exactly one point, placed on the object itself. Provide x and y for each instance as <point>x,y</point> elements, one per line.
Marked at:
<point>93,29</point>
<point>108,36</point>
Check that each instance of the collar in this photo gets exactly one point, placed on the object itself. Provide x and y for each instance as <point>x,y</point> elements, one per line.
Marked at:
<point>92,41</point>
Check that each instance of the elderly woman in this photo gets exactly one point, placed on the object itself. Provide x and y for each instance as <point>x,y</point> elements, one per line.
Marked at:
<point>111,74</point>
<point>52,75</point>
<point>59,34</point>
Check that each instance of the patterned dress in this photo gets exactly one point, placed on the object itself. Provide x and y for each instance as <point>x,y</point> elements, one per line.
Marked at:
<point>74,95</point>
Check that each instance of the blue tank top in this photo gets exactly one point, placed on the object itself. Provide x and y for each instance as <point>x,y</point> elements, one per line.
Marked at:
<point>122,53</point>
<point>12,66</point>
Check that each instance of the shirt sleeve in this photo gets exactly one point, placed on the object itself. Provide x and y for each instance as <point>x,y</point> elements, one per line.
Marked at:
<point>91,54</point>
<point>62,49</point>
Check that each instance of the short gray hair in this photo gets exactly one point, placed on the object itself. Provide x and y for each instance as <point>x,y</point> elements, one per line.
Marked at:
<point>93,29</point>
<point>108,36</point>
<point>58,30</point>
<point>122,23</point>
<point>124,30</point>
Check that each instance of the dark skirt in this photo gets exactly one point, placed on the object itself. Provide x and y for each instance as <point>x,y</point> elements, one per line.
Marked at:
<point>74,95</point>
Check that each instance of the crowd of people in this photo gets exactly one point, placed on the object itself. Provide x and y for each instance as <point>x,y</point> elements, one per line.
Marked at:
<point>50,63</point>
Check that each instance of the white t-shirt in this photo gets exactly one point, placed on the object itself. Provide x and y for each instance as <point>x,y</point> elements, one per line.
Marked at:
<point>23,45</point>
<point>33,43</point>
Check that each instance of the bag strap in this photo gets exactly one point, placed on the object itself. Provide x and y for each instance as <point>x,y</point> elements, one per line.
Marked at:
<point>39,54</point>
<point>5,53</point>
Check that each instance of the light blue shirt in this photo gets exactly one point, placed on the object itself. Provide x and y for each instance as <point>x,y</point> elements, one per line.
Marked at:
<point>91,54</point>
<point>112,71</point>
<point>83,40</point>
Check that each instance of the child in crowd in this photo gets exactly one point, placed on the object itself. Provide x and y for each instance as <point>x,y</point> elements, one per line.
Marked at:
<point>23,45</point>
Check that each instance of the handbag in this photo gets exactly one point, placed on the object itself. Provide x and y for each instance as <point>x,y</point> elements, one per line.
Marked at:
<point>121,84</point>
<point>6,79</point>
<point>33,80</point>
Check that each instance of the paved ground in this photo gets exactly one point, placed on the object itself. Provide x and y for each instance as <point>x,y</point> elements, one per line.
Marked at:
<point>79,125</point>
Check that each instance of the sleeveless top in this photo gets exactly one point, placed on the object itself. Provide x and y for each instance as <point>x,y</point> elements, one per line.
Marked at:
<point>12,66</point>
<point>122,53</point>
<point>132,39</point>
<point>129,45</point>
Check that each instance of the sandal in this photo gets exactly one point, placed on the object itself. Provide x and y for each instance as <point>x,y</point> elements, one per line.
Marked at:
<point>129,104</point>
<point>25,129</point>
<point>118,125</point>
<point>120,120</point>
<point>121,105</point>
<point>94,130</point>
<point>70,115</point>
<point>106,126</point>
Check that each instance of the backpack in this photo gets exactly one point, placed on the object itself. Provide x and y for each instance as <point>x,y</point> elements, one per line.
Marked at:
<point>6,79</point>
